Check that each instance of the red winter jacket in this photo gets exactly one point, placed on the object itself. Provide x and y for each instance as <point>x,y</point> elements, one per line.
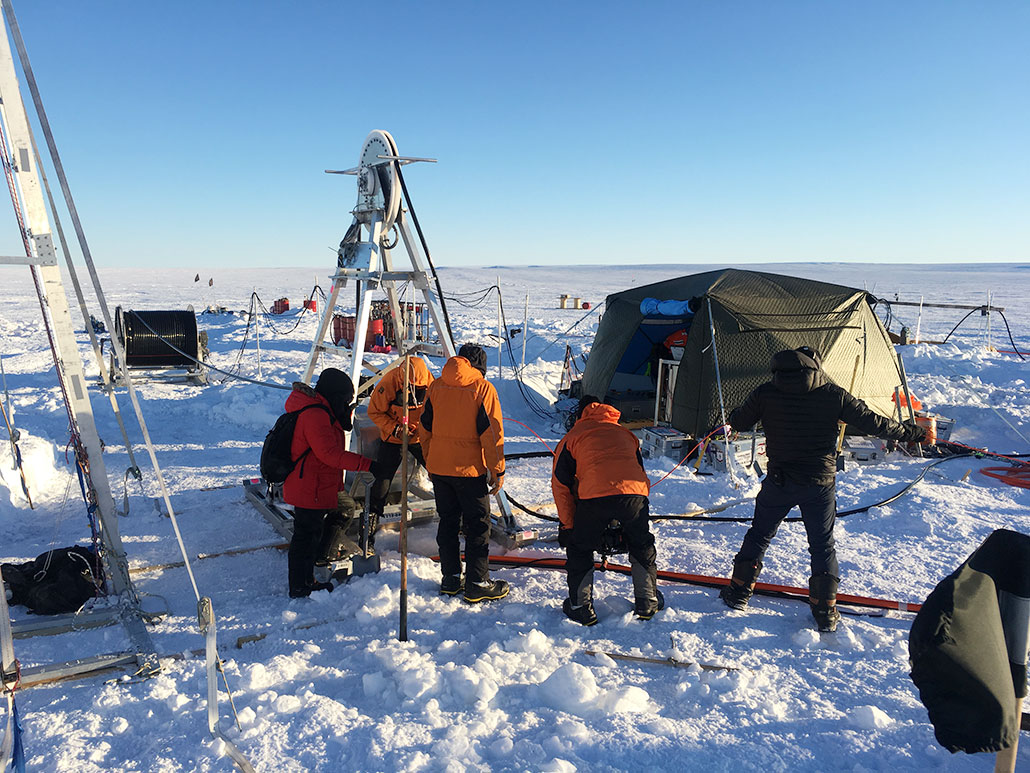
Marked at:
<point>317,478</point>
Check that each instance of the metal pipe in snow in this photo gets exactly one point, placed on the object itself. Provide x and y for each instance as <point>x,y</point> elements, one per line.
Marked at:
<point>525,330</point>
<point>500,338</point>
<point>718,382</point>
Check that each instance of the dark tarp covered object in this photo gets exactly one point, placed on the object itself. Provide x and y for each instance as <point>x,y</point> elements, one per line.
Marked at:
<point>968,646</point>
<point>60,580</point>
<point>755,315</point>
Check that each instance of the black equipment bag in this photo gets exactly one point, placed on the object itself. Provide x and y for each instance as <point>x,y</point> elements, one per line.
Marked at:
<point>968,646</point>
<point>276,460</point>
<point>60,580</point>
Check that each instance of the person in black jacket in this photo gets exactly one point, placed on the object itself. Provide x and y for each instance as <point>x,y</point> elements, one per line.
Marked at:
<point>799,411</point>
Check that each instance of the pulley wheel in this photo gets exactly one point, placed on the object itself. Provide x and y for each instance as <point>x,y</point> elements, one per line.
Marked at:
<point>378,187</point>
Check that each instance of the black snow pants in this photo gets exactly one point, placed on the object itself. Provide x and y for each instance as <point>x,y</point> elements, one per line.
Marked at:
<point>316,536</point>
<point>589,524</point>
<point>463,504</point>
<point>818,504</point>
<point>389,458</point>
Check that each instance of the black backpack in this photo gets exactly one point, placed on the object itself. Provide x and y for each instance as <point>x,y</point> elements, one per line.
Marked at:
<point>276,460</point>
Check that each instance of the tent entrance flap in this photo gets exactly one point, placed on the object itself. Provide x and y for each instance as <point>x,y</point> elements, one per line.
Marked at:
<point>638,368</point>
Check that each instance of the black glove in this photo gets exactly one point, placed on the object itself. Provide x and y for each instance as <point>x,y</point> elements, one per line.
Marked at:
<point>914,433</point>
<point>378,470</point>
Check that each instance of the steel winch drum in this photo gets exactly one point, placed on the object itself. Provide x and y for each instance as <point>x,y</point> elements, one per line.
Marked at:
<point>141,333</point>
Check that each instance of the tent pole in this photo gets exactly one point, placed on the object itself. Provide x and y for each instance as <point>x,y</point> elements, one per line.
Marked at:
<point>718,382</point>
<point>908,398</point>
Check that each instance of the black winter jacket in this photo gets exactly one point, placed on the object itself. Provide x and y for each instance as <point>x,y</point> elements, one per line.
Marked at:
<point>799,410</point>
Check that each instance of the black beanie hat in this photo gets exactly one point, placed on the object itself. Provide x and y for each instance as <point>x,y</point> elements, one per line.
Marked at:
<point>475,355</point>
<point>333,383</point>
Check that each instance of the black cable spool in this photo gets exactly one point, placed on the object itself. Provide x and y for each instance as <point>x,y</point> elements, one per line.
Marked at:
<point>141,334</point>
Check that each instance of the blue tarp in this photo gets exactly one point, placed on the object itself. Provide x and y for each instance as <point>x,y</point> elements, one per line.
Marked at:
<point>652,306</point>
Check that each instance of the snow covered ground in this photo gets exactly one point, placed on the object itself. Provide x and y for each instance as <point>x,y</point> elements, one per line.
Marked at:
<point>503,686</point>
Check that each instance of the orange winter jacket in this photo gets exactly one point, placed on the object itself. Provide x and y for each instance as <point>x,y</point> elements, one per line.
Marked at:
<point>597,458</point>
<point>461,429</point>
<point>386,408</point>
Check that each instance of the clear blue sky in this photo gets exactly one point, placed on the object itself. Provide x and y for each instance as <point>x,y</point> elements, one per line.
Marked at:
<point>197,132</point>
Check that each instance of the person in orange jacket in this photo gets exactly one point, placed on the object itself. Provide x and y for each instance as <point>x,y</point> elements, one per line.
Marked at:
<point>386,410</point>
<point>598,477</point>
<point>463,445</point>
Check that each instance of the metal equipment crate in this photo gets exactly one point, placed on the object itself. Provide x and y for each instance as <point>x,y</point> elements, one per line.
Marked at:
<point>748,449</point>
<point>657,442</point>
<point>634,405</point>
<point>864,450</point>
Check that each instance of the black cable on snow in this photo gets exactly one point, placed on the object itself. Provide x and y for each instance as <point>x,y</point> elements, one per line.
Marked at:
<point>268,314</point>
<point>475,299</point>
<point>700,516</point>
<point>541,413</point>
<point>968,315</point>
<point>519,506</point>
<point>842,514</point>
<point>425,249</point>
<point>1011,341</point>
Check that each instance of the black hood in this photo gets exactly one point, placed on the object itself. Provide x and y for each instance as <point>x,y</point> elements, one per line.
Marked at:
<point>338,390</point>
<point>796,372</point>
<point>475,355</point>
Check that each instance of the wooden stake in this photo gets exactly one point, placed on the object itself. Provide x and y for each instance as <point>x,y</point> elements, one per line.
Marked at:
<point>661,661</point>
<point>402,631</point>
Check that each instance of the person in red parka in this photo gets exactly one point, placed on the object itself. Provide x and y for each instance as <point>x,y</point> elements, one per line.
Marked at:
<point>598,478</point>
<point>321,509</point>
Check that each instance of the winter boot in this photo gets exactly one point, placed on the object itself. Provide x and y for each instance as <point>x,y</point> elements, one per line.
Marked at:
<point>645,583</point>
<point>738,593</point>
<point>303,593</point>
<point>491,590</point>
<point>822,595</point>
<point>645,609</point>
<point>452,585</point>
<point>583,615</point>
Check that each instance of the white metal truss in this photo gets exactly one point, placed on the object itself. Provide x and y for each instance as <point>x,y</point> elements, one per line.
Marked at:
<point>366,257</point>
<point>42,257</point>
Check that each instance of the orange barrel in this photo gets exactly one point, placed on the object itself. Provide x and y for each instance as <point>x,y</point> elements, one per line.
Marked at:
<point>343,329</point>
<point>375,327</point>
<point>929,423</point>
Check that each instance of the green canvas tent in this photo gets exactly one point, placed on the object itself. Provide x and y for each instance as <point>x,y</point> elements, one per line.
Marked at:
<point>755,315</point>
